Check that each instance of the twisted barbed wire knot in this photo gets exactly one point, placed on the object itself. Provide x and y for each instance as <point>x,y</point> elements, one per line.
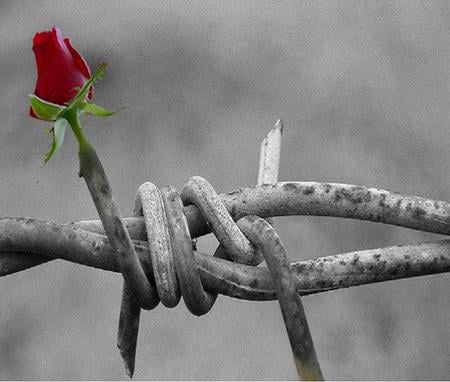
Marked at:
<point>174,270</point>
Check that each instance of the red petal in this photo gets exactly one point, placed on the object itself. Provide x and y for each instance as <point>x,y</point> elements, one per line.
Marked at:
<point>41,38</point>
<point>80,62</point>
<point>42,48</point>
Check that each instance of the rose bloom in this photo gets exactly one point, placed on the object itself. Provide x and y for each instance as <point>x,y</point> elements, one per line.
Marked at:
<point>60,68</point>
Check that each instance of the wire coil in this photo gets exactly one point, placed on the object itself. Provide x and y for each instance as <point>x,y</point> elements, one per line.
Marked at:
<point>174,271</point>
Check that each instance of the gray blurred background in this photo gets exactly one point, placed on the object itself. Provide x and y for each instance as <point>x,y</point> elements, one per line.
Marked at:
<point>363,89</point>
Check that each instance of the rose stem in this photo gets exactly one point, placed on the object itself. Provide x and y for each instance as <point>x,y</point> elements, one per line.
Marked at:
<point>93,173</point>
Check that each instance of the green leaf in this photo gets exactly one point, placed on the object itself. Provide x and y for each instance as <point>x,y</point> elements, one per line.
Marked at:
<point>78,100</point>
<point>93,109</point>
<point>58,137</point>
<point>44,109</point>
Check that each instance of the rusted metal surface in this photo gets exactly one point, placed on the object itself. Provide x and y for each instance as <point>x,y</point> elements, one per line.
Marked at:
<point>28,242</point>
<point>315,199</point>
<point>264,236</point>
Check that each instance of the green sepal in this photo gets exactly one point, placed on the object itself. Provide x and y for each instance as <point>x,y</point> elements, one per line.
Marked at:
<point>98,111</point>
<point>79,99</point>
<point>45,110</point>
<point>59,129</point>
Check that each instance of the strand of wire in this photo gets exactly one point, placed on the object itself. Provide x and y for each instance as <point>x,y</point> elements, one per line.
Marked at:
<point>174,270</point>
<point>171,245</point>
<point>174,265</point>
<point>29,242</point>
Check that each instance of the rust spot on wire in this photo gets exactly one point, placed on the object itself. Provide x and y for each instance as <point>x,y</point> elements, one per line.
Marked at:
<point>418,212</point>
<point>72,235</point>
<point>309,190</point>
<point>382,202</point>
<point>354,195</point>
<point>291,187</point>
<point>327,188</point>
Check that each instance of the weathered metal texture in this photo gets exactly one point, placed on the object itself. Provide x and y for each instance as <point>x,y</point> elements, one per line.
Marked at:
<point>266,239</point>
<point>29,242</point>
<point>317,199</point>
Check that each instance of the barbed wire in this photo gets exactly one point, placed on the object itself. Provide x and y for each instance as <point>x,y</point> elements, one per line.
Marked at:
<point>165,223</point>
<point>26,242</point>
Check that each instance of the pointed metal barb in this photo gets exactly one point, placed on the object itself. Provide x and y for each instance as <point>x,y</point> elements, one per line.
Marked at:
<point>269,155</point>
<point>283,278</point>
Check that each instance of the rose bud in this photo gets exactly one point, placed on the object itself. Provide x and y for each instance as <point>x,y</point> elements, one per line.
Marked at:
<point>61,69</point>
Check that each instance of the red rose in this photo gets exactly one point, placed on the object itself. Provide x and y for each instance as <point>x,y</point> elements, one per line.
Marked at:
<point>61,69</point>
